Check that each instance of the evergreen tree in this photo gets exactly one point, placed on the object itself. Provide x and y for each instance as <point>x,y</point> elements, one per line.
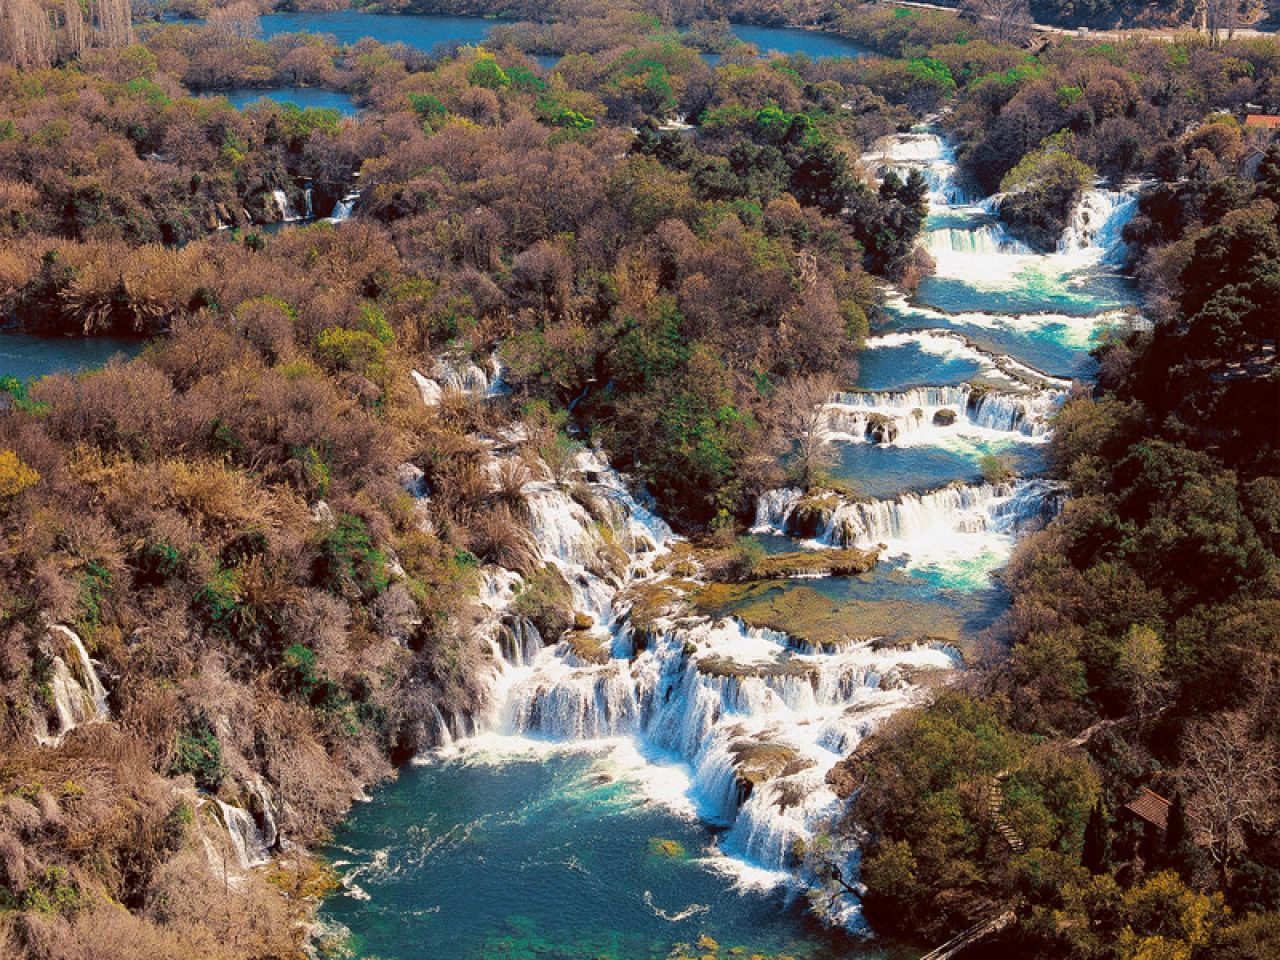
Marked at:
<point>1097,841</point>
<point>1176,842</point>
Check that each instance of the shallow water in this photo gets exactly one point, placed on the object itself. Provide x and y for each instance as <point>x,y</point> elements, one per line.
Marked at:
<point>303,97</point>
<point>438,32</point>
<point>24,355</point>
<point>815,44</point>
<point>519,852</point>
<point>489,852</point>
<point>874,470</point>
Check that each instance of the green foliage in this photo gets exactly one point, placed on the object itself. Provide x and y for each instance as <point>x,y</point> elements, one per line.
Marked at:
<point>356,350</point>
<point>546,601</point>
<point>428,107</point>
<point>95,584</point>
<point>485,72</point>
<point>925,802</point>
<point>525,80</point>
<point>374,322</point>
<point>20,395</point>
<point>157,561</point>
<point>316,475</point>
<point>1042,190</point>
<point>348,563</point>
<point>218,599</point>
<point>52,891</point>
<point>299,123</point>
<point>197,752</point>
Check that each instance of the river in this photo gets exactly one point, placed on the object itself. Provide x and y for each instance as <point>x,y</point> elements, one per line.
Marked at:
<point>642,787</point>
<point>25,355</point>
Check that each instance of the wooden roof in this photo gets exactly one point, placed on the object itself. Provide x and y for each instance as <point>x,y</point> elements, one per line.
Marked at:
<point>1262,120</point>
<point>1151,807</point>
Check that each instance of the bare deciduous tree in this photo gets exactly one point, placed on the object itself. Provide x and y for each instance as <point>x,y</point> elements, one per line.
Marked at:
<point>1008,21</point>
<point>1230,780</point>
<point>802,419</point>
<point>26,38</point>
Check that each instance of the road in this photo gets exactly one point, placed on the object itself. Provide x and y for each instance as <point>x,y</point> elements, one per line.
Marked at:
<point>1166,35</point>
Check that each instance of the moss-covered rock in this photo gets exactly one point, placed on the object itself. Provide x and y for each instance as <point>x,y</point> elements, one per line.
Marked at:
<point>590,647</point>
<point>546,601</point>
<point>881,428</point>
<point>812,513</point>
<point>944,418</point>
<point>719,666</point>
<point>827,563</point>
<point>755,763</point>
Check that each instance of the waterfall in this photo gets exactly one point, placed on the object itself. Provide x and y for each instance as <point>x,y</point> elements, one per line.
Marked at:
<point>308,212</point>
<point>1098,222</point>
<point>915,524</point>
<point>76,694</point>
<point>932,157</point>
<point>343,209</point>
<point>981,239</point>
<point>930,414</point>
<point>287,213</point>
<point>756,718</point>
<point>461,375</point>
<point>247,841</point>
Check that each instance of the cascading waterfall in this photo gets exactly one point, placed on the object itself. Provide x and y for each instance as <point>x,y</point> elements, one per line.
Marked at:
<point>980,239</point>
<point>460,376</point>
<point>929,414</point>
<point>76,693</point>
<point>1098,222</point>
<point>343,209</point>
<point>756,719</point>
<point>247,840</point>
<point>916,525</point>
<point>287,213</point>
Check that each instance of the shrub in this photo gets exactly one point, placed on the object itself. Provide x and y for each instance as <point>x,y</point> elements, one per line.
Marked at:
<point>349,563</point>
<point>485,72</point>
<point>546,602</point>
<point>218,598</point>
<point>15,476</point>
<point>197,752</point>
<point>354,350</point>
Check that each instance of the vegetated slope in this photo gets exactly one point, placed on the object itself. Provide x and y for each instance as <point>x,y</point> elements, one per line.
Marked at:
<point>1142,639</point>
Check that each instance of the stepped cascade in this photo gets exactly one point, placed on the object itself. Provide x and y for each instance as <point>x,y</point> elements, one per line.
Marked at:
<point>757,719</point>
<point>76,693</point>
<point>739,722</point>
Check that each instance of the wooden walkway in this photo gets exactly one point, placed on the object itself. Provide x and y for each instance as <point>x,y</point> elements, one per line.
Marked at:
<point>975,934</point>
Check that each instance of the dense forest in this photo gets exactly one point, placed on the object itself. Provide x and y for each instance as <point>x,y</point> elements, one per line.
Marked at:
<point>231,523</point>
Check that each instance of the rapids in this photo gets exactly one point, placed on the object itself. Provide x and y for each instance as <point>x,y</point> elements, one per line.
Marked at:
<point>649,710</point>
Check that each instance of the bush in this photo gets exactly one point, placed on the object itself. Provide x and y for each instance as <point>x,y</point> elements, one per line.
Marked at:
<point>349,563</point>
<point>546,602</point>
<point>355,350</point>
<point>15,476</point>
<point>197,752</point>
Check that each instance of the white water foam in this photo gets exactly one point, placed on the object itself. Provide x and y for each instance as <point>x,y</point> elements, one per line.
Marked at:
<point>961,530</point>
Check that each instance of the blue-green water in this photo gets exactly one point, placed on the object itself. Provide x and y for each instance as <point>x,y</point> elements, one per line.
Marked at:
<point>437,32</point>
<point>24,355</point>
<point>1083,295</point>
<point>303,97</point>
<point>814,44</point>
<point>909,365</point>
<point>562,854</point>
<point>554,856</point>
<point>875,470</point>
<point>425,32</point>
